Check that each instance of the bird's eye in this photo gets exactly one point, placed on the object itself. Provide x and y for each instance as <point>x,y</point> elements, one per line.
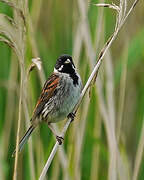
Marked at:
<point>59,60</point>
<point>67,61</point>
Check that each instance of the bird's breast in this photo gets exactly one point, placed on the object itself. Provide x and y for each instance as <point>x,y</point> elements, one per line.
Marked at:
<point>65,100</point>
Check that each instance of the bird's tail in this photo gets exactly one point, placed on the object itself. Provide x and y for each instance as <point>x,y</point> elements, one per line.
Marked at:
<point>24,139</point>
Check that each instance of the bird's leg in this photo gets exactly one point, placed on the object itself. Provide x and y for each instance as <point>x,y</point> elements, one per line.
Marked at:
<point>58,138</point>
<point>71,115</point>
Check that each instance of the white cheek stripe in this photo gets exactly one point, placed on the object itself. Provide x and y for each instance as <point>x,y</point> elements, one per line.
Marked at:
<point>61,68</point>
<point>67,61</point>
<point>55,70</point>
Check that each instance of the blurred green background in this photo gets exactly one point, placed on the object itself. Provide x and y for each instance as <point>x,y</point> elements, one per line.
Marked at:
<point>115,103</point>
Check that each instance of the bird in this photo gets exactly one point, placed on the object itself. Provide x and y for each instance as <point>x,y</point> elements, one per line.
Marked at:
<point>58,98</point>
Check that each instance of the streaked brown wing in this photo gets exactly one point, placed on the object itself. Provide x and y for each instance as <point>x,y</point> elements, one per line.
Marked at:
<point>48,91</point>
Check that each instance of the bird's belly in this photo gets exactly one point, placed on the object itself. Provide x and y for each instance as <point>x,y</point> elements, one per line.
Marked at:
<point>64,108</point>
<point>64,105</point>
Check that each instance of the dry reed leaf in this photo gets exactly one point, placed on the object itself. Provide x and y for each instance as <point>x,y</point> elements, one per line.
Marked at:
<point>8,28</point>
<point>5,40</point>
<point>37,62</point>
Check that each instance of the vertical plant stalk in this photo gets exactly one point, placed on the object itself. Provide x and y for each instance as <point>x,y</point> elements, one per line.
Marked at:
<point>10,104</point>
<point>84,35</point>
<point>56,170</point>
<point>18,129</point>
<point>80,134</point>
<point>96,148</point>
<point>31,157</point>
<point>110,129</point>
<point>98,122</point>
<point>139,154</point>
<point>122,92</point>
<point>110,88</point>
<point>20,20</point>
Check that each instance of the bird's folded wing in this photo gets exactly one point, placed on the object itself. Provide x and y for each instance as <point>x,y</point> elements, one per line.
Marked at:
<point>48,91</point>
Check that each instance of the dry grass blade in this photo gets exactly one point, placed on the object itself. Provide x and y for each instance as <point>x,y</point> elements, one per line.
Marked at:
<point>126,16</point>
<point>110,88</point>
<point>111,6</point>
<point>15,6</point>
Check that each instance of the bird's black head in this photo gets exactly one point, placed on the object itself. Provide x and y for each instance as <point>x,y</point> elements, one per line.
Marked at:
<point>65,64</point>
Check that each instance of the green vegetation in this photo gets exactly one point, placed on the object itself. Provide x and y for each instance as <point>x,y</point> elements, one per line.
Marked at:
<point>47,30</point>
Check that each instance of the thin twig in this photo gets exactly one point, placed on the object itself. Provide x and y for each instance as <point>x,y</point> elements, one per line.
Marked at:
<point>125,8</point>
<point>112,6</point>
<point>21,56</point>
<point>132,7</point>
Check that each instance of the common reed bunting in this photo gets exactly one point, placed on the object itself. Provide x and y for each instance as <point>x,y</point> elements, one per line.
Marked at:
<point>58,97</point>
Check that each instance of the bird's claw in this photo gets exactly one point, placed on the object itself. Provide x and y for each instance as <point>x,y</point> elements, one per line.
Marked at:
<point>59,139</point>
<point>72,116</point>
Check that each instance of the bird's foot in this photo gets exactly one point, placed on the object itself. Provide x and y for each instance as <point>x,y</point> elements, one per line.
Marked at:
<point>59,139</point>
<point>71,115</point>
